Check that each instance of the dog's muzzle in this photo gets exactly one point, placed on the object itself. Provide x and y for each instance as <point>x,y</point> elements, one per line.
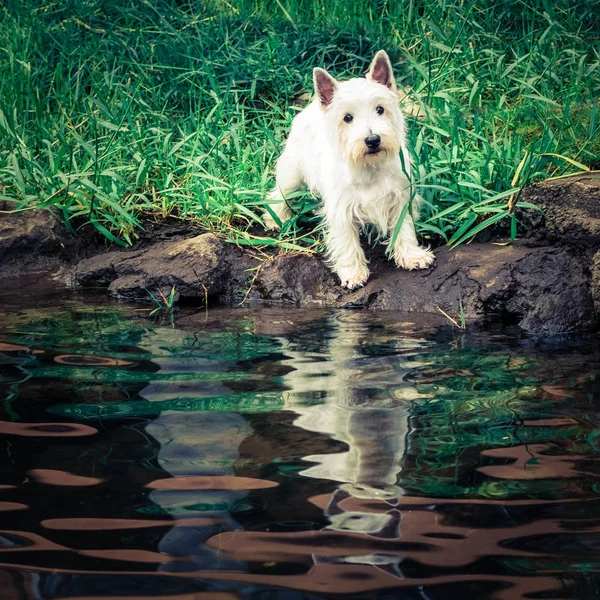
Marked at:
<point>373,143</point>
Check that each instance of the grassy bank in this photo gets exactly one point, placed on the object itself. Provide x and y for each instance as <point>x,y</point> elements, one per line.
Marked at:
<point>116,111</point>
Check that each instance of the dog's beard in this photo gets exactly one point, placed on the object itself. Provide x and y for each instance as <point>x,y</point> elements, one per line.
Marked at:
<point>358,152</point>
<point>372,158</point>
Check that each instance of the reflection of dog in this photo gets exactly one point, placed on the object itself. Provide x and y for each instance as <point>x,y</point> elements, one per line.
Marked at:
<point>363,403</point>
<point>348,147</point>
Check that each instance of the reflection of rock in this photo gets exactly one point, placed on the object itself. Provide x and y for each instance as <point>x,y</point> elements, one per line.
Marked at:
<point>85,360</point>
<point>201,443</point>
<point>532,461</point>
<point>340,573</point>
<point>53,477</point>
<point>195,447</point>
<point>211,482</point>
<point>440,552</point>
<point>46,429</point>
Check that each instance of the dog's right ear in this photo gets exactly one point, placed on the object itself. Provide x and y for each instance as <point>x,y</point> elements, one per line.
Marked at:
<point>325,86</point>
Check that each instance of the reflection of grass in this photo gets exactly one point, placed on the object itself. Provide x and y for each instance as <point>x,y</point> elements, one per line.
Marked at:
<point>482,406</point>
<point>162,302</point>
<point>114,112</point>
<point>461,323</point>
<point>77,329</point>
<point>237,402</point>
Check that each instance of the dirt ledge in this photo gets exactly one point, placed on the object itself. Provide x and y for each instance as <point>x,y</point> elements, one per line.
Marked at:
<point>548,283</point>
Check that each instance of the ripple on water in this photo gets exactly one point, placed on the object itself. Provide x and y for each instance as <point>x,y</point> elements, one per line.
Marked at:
<point>282,453</point>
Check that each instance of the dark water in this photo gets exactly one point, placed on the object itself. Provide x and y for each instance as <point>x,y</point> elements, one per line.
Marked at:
<point>292,454</point>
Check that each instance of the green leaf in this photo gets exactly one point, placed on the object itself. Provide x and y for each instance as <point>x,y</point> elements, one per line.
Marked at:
<point>105,231</point>
<point>399,224</point>
<point>480,227</point>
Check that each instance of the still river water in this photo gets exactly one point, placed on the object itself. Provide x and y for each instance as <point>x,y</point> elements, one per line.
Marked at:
<point>292,454</point>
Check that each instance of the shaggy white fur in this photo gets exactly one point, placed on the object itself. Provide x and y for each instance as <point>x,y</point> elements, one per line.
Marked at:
<point>349,148</point>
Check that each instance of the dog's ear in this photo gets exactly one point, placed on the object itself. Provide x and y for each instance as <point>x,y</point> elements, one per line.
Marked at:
<point>380,71</point>
<point>325,86</point>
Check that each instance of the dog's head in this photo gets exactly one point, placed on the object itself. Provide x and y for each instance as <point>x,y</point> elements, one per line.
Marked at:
<point>363,114</point>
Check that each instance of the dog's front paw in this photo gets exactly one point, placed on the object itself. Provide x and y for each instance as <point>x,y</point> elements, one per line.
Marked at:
<point>415,258</point>
<point>354,278</point>
<point>270,223</point>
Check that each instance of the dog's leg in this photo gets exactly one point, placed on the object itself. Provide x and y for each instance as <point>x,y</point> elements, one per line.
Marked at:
<point>344,252</point>
<point>287,180</point>
<point>407,252</point>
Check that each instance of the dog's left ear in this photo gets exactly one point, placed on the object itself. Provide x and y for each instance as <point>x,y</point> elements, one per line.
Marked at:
<point>380,71</point>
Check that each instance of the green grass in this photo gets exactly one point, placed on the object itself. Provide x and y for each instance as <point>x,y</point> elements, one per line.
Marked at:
<point>115,112</point>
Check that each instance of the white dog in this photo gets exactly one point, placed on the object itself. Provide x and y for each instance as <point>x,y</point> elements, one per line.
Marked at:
<point>349,148</point>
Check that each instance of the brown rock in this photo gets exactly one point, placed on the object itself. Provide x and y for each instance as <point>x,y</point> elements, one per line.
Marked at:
<point>196,267</point>
<point>571,207</point>
<point>297,279</point>
<point>545,290</point>
<point>29,240</point>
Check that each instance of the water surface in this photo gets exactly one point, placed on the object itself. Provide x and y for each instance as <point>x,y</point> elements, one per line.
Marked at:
<point>287,454</point>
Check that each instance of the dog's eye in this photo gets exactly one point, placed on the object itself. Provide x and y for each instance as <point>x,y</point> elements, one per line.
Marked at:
<point>379,110</point>
<point>348,118</point>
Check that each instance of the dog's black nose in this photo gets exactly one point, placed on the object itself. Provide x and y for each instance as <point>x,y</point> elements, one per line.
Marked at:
<point>372,142</point>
